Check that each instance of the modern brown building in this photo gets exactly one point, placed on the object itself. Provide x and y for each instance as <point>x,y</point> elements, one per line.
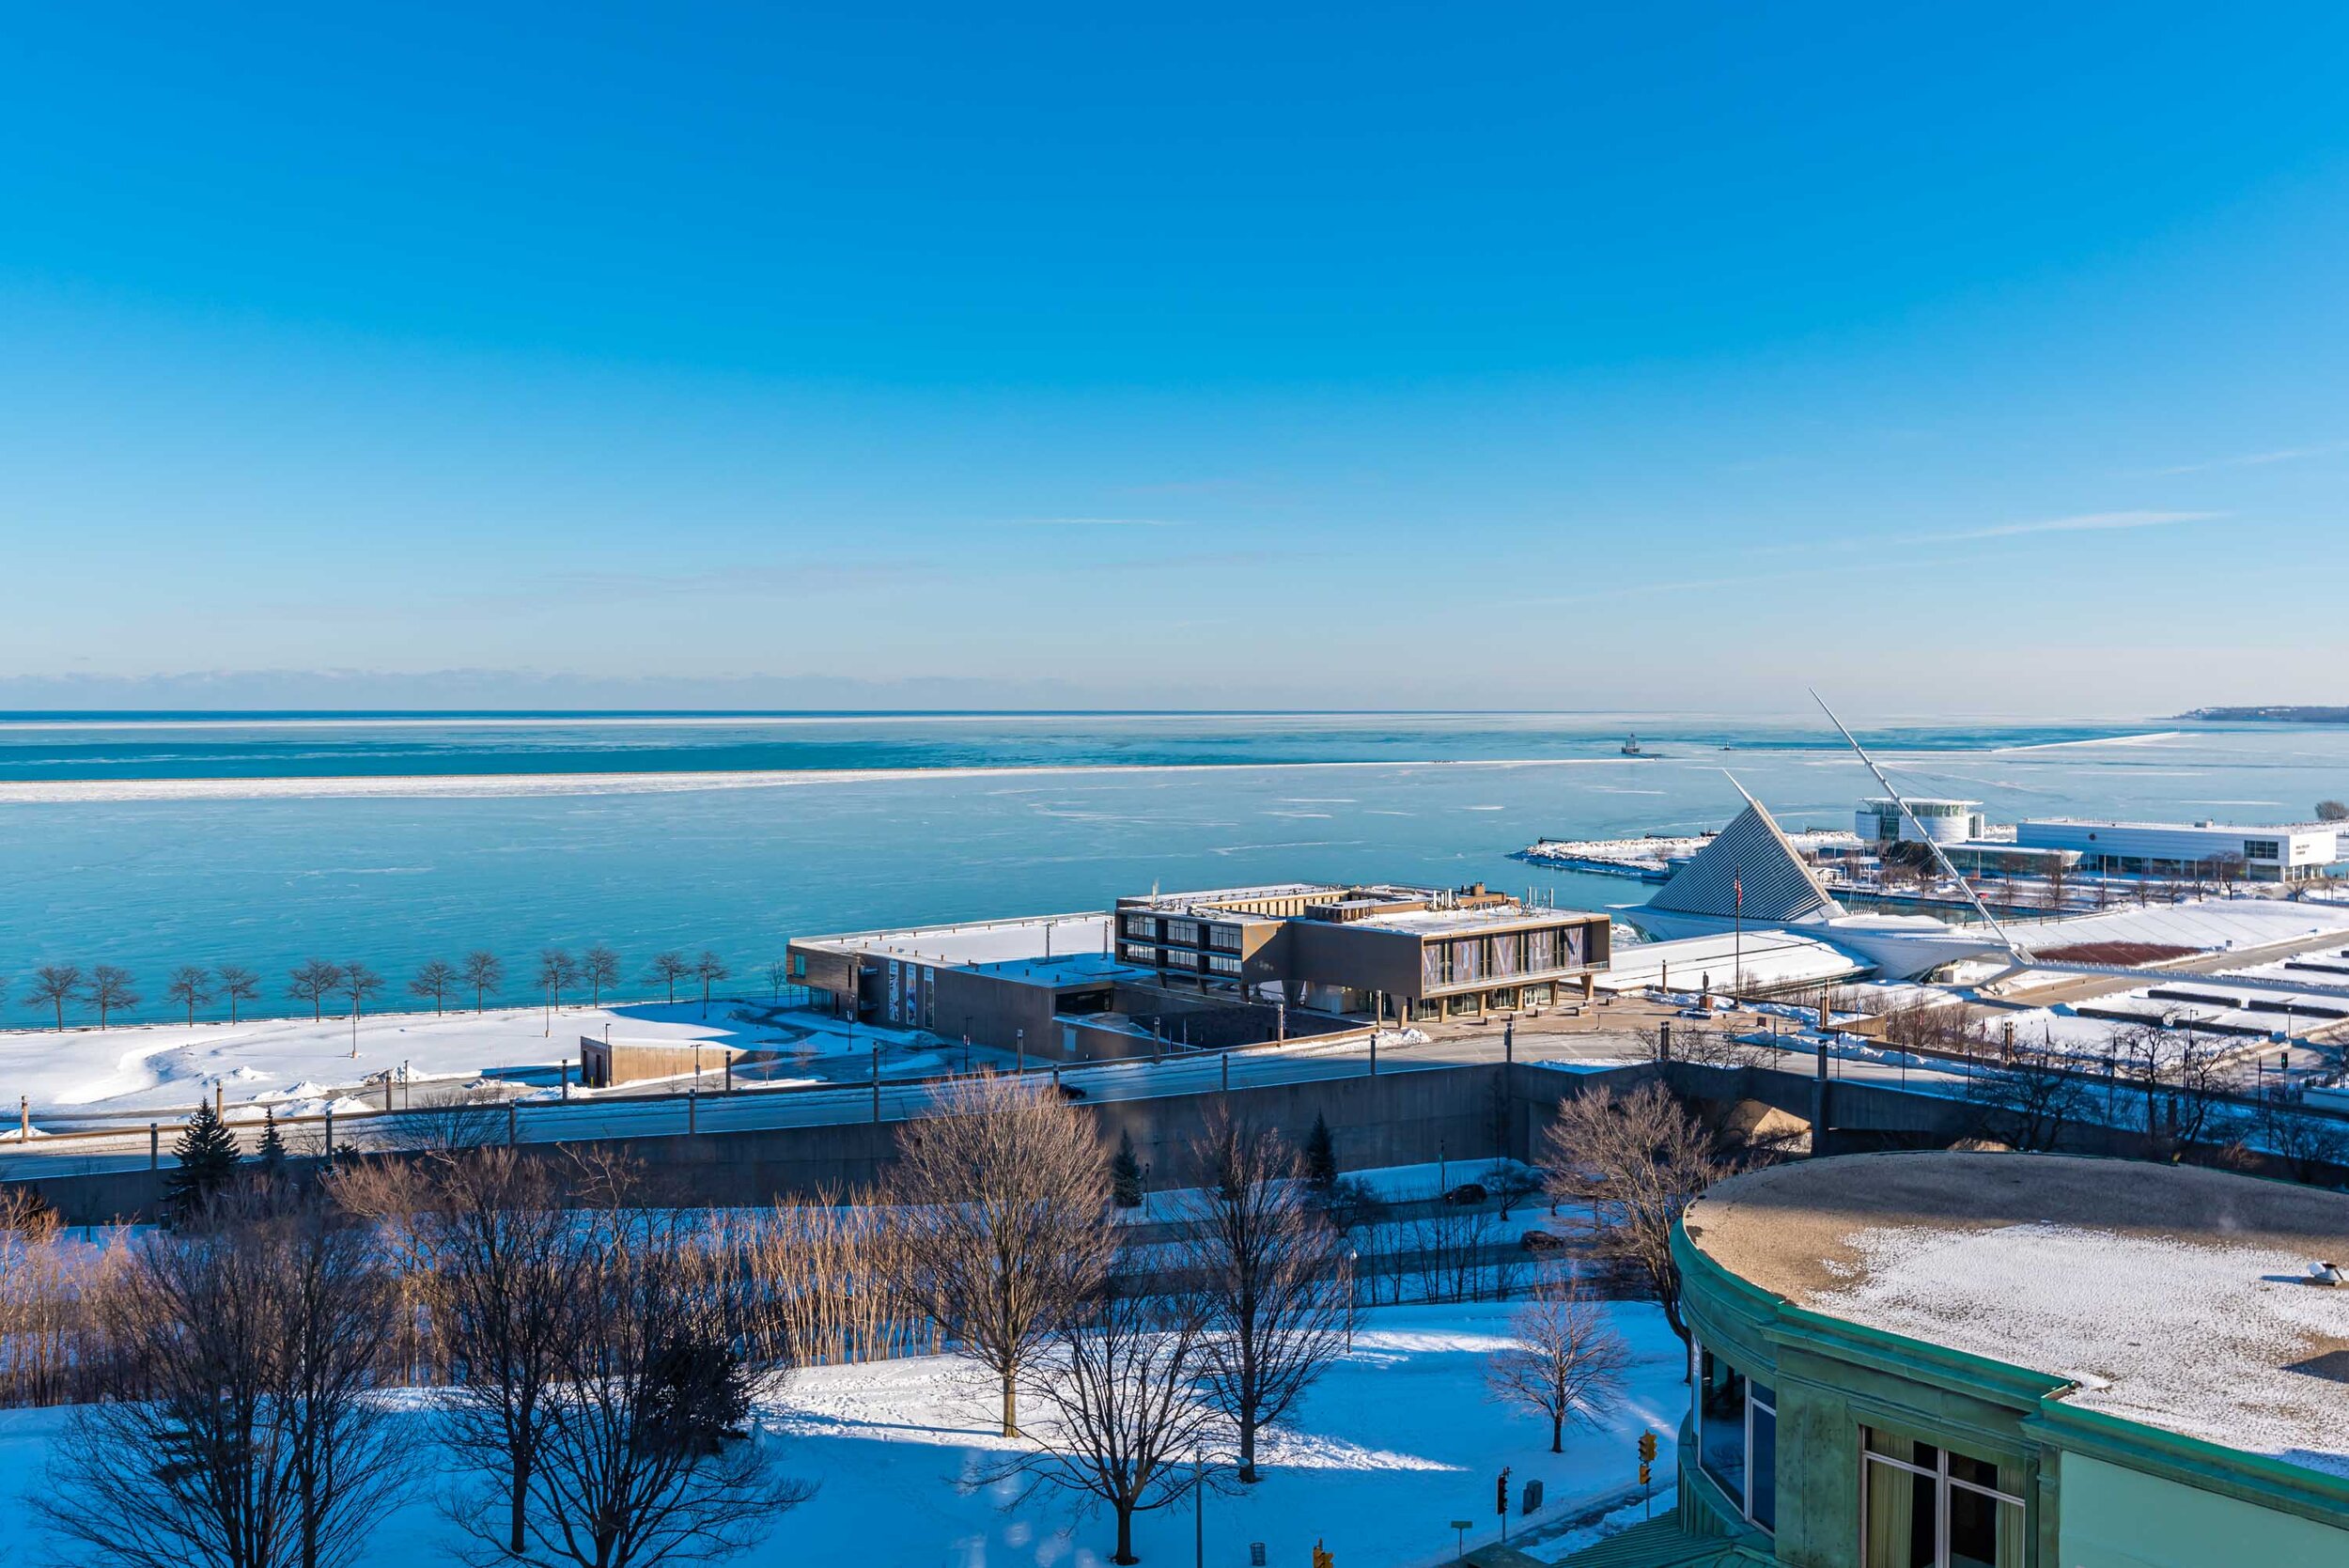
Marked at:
<point>1385,951</point>
<point>1233,966</point>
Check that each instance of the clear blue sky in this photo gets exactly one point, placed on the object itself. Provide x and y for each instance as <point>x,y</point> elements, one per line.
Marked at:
<point>1368,356</point>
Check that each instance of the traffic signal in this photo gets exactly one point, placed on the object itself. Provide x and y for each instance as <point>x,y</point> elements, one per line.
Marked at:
<point>1647,1452</point>
<point>1500,1493</point>
<point>1643,1473</point>
<point>1322,1557</point>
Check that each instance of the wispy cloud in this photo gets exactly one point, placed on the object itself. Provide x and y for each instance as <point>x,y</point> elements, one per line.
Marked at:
<point>2086,522</point>
<point>2253,460</point>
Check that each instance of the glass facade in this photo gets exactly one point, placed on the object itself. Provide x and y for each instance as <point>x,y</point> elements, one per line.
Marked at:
<point>1925,1506</point>
<point>1737,1437</point>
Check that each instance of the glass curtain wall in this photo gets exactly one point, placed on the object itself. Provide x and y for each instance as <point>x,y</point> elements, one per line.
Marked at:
<point>1737,1437</point>
<point>1925,1506</point>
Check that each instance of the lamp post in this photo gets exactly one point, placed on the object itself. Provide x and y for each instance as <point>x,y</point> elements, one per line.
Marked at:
<point>1351,1255</point>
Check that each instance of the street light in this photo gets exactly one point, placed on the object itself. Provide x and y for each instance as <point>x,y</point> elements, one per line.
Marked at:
<point>1350,1256</point>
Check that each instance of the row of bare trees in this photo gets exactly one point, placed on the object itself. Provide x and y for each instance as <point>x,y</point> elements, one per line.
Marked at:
<point>107,988</point>
<point>600,1359</point>
<point>602,1362</point>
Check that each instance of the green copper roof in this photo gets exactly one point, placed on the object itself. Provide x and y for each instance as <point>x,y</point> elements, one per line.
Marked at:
<point>1659,1543</point>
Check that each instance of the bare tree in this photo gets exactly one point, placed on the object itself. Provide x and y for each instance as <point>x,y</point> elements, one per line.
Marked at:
<point>2180,1080</point>
<point>433,981</point>
<point>1120,1425</point>
<point>357,983</point>
<point>191,987</point>
<point>110,991</point>
<point>2026,1096</point>
<point>502,1264</point>
<point>2311,1148</point>
<point>1004,1197</point>
<point>642,1458</point>
<point>1270,1273</point>
<point>313,981</point>
<point>2332,811</point>
<point>1513,1182</point>
<point>55,984</point>
<point>599,967</point>
<point>239,1429</point>
<point>1568,1363</point>
<point>1632,1164</point>
<point>483,971</point>
<point>708,968</point>
<point>238,984</point>
<point>557,972</point>
<point>668,969</point>
<point>778,975</point>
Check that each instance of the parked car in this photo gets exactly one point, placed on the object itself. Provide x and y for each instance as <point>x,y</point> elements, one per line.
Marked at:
<point>1540,1241</point>
<point>1069,1090</point>
<point>1467,1192</point>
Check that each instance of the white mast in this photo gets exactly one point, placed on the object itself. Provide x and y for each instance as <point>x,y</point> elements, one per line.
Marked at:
<point>1911,816</point>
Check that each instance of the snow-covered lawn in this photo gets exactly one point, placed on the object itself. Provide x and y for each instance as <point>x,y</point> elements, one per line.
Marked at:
<point>1398,1439</point>
<point>171,1066</point>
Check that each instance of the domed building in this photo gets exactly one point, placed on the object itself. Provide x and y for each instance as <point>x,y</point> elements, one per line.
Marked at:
<point>1988,1360</point>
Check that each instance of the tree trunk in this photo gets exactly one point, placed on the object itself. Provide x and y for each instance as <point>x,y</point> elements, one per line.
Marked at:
<point>1248,1446</point>
<point>1011,1407</point>
<point>1124,1534</point>
<point>520,1497</point>
<point>1557,1435</point>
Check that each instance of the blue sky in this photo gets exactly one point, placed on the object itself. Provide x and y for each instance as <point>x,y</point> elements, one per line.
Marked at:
<point>1361,356</point>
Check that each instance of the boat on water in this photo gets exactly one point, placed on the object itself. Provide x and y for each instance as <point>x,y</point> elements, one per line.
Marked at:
<point>1631,748</point>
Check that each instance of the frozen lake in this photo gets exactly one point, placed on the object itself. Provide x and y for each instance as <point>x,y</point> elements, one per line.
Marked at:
<point>519,835</point>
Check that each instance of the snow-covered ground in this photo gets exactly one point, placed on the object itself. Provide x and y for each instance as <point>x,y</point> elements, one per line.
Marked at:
<point>298,1061</point>
<point>2209,924</point>
<point>1400,1438</point>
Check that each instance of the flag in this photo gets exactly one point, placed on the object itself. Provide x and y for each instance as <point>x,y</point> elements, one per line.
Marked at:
<point>1738,890</point>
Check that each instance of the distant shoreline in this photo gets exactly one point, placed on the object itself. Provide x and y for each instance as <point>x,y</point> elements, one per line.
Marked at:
<point>2278,715</point>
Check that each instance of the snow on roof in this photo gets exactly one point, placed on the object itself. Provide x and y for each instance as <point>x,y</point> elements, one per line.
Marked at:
<point>1433,922</point>
<point>994,942</point>
<point>2167,1296</point>
<point>1765,958</point>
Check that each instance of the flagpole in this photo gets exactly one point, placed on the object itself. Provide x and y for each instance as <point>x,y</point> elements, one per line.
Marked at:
<point>1738,950</point>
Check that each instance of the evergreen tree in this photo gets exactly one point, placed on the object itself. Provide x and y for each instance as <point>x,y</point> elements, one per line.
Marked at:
<point>1126,1175</point>
<point>272,1153</point>
<point>1321,1158</point>
<point>207,1153</point>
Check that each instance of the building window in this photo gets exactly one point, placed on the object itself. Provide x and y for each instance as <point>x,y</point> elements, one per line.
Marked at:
<point>1737,1437</point>
<point>2262,850</point>
<point>1177,958</point>
<point>1222,963</point>
<point>1144,927</point>
<point>1541,950</point>
<point>1184,931</point>
<point>1924,1507</point>
<point>1224,936</point>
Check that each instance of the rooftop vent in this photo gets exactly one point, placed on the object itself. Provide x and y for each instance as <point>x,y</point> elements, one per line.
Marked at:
<point>2324,1274</point>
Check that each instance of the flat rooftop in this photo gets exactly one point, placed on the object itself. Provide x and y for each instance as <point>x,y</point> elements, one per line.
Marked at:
<point>979,942</point>
<point>1447,910</point>
<point>2167,1296</point>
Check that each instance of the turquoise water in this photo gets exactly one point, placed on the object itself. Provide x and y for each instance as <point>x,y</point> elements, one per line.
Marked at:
<point>396,880</point>
<point>56,747</point>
